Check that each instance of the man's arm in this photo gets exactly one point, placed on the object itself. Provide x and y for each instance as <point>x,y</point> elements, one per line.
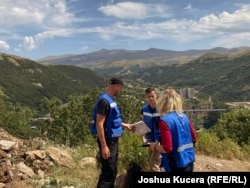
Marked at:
<point>100,119</point>
<point>144,139</point>
<point>128,126</point>
<point>102,111</point>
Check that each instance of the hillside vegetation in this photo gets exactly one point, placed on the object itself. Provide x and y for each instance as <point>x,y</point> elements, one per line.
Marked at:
<point>224,77</point>
<point>228,139</point>
<point>27,82</point>
<point>68,94</point>
<point>127,61</point>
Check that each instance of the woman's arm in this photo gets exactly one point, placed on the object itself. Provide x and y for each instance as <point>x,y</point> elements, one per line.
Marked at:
<point>166,139</point>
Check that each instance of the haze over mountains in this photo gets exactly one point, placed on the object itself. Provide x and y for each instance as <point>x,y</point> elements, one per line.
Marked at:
<point>152,53</point>
<point>120,61</point>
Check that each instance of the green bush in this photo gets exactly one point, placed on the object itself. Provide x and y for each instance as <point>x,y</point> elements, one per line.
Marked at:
<point>131,151</point>
<point>210,144</point>
<point>234,125</point>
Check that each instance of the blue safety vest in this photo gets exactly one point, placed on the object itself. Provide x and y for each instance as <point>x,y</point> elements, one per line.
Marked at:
<point>150,118</point>
<point>113,124</point>
<point>164,166</point>
<point>183,149</point>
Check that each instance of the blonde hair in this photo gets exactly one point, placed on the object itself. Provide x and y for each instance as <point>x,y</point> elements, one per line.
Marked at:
<point>169,100</point>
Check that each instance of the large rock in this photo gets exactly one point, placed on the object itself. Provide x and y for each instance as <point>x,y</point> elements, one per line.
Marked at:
<point>61,157</point>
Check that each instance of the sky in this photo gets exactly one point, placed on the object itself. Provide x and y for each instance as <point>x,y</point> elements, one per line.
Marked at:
<point>36,29</point>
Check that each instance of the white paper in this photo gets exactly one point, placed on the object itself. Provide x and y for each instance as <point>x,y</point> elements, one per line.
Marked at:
<point>141,128</point>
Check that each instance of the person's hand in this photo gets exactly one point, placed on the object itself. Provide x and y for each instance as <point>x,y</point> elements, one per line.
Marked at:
<point>129,127</point>
<point>144,140</point>
<point>105,153</point>
<point>132,128</point>
<point>152,146</point>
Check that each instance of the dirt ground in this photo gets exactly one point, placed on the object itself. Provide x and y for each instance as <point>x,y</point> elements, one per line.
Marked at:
<point>208,164</point>
<point>202,164</point>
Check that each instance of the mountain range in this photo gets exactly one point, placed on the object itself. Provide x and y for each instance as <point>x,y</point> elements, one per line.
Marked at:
<point>220,73</point>
<point>124,62</point>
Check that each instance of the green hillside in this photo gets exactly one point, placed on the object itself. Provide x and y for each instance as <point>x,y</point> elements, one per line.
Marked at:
<point>27,82</point>
<point>224,77</point>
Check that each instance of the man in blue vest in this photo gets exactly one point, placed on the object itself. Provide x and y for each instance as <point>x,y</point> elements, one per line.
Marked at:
<point>107,125</point>
<point>150,116</point>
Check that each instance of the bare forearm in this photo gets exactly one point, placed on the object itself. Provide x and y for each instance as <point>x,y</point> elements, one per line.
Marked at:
<point>101,136</point>
<point>155,146</point>
<point>128,126</point>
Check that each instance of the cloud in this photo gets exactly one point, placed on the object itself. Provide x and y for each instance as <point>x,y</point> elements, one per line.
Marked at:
<point>131,10</point>
<point>35,21</point>
<point>32,24</point>
<point>192,10</point>
<point>39,13</point>
<point>32,42</point>
<point>188,8</point>
<point>223,24</point>
<point>84,48</point>
<point>211,27</point>
<point>4,45</point>
<point>242,39</point>
<point>29,43</point>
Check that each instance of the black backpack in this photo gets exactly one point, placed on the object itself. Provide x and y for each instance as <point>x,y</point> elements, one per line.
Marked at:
<point>134,168</point>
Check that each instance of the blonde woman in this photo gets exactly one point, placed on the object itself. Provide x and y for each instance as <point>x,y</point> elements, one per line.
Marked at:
<point>177,134</point>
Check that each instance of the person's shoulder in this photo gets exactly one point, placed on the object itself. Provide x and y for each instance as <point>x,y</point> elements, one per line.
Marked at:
<point>103,102</point>
<point>145,105</point>
<point>184,114</point>
<point>106,97</point>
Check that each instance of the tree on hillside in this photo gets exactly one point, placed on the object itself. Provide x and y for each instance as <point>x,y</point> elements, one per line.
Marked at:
<point>234,125</point>
<point>16,119</point>
<point>71,121</point>
<point>70,125</point>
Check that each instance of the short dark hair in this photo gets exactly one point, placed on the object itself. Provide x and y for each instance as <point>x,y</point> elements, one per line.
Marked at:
<point>149,90</point>
<point>116,80</point>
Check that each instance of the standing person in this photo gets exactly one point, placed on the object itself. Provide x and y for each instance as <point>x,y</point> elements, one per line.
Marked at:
<point>150,116</point>
<point>177,134</point>
<point>107,124</point>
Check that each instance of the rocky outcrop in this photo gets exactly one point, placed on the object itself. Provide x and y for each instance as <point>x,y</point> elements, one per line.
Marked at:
<point>21,160</point>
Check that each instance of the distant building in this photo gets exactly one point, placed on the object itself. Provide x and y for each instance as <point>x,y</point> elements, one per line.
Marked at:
<point>238,104</point>
<point>187,93</point>
<point>207,104</point>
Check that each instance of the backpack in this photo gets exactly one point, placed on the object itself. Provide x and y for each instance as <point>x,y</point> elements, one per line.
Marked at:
<point>134,168</point>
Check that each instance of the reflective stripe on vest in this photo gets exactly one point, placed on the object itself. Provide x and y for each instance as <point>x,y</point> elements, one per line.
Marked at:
<point>186,146</point>
<point>150,114</point>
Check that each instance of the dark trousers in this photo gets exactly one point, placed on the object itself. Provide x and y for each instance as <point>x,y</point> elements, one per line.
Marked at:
<point>188,168</point>
<point>109,166</point>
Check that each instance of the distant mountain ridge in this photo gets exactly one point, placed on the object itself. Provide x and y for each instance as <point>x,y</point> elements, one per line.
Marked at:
<point>55,57</point>
<point>152,53</point>
<point>122,62</point>
<point>223,76</point>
